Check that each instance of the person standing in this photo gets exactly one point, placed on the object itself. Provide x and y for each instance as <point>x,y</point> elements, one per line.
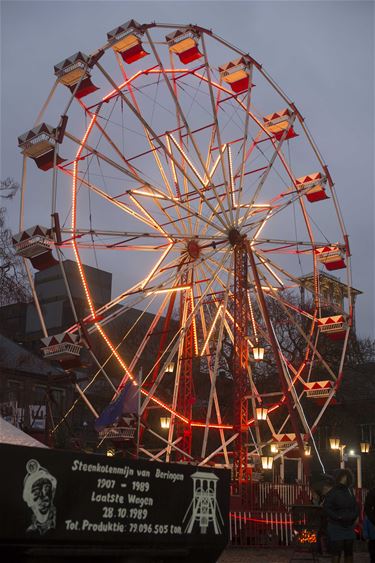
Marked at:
<point>369,523</point>
<point>341,509</point>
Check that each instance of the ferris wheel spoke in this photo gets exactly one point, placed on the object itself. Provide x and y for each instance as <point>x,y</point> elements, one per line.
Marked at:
<point>206,185</point>
<point>271,265</point>
<point>212,215</point>
<point>148,215</point>
<point>265,174</point>
<point>152,145</point>
<point>203,324</point>
<point>79,232</point>
<point>178,106</point>
<point>114,201</point>
<point>118,246</point>
<point>84,145</point>
<point>182,333</point>
<point>245,153</point>
<point>214,107</point>
<point>137,290</point>
<point>159,141</point>
<point>301,331</point>
<point>114,146</point>
<point>287,243</point>
<point>216,365</point>
<point>224,312</point>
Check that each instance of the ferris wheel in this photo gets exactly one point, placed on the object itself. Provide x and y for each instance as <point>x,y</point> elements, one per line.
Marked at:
<point>181,167</point>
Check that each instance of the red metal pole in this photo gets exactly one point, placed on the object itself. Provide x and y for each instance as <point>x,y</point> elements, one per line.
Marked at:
<point>185,398</point>
<point>240,365</point>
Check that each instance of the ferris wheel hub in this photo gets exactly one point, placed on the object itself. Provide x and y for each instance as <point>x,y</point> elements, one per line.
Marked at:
<point>193,249</point>
<point>235,237</point>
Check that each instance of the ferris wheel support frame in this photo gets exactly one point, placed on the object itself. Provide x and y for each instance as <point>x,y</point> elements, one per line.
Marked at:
<point>276,353</point>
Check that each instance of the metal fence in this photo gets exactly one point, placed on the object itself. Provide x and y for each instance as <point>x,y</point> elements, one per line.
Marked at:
<point>260,528</point>
<point>268,522</point>
<point>278,497</point>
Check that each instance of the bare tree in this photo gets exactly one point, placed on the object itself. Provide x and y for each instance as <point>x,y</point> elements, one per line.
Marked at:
<point>14,286</point>
<point>8,188</point>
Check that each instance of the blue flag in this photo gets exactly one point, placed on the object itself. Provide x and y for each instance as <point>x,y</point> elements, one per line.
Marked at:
<point>125,403</point>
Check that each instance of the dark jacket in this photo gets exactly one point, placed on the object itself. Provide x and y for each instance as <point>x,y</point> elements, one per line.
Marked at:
<point>342,511</point>
<point>370,506</point>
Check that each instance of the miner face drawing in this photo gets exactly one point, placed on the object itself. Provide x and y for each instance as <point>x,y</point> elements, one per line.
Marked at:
<point>38,492</point>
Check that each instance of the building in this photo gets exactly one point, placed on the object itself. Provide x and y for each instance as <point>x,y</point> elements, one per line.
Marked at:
<point>33,392</point>
<point>333,291</point>
<point>54,299</point>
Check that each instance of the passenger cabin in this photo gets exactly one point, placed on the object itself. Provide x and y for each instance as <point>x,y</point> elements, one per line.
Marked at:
<point>279,122</point>
<point>331,256</point>
<point>64,348</point>
<point>313,186</point>
<point>284,441</point>
<point>126,40</point>
<point>334,327</point>
<point>318,389</point>
<point>73,72</point>
<point>39,144</point>
<point>118,433</point>
<point>36,244</point>
<point>236,74</point>
<point>184,43</point>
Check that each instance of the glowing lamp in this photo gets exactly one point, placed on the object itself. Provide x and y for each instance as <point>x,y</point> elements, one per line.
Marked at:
<point>258,353</point>
<point>307,450</point>
<point>110,452</point>
<point>351,452</point>
<point>184,43</point>
<point>169,368</point>
<point>126,40</point>
<point>267,461</point>
<point>261,413</point>
<point>365,447</point>
<point>165,422</point>
<point>274,449</point>
<point>334,443</point>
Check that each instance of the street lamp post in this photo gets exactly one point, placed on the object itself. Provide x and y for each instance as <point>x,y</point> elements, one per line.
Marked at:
<point>359,467</point>
<point>335,445</point>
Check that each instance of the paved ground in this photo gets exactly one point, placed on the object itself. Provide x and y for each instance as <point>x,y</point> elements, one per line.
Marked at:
<point>272,556</point>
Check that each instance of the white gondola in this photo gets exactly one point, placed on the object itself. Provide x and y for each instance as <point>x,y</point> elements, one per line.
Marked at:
<point>284,440</point>
<point>277,123</point>
<point>39,144</point>
<point>236,73</point>
<point>331,256</point>
<point>118,433</point>
<point>126,40</point>
<point>35,244</point>
<point>74,70</point>
<point>318,389</point>
<point>32,242</point>
<point>61,347</point>
<point>334,326</point>
<point>313,186</point>
<point>184,43</point>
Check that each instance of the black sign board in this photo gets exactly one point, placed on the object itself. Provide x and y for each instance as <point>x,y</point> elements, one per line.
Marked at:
<point>50,496</point>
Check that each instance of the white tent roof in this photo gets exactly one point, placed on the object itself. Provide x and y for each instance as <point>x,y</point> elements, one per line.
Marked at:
<point>9,434</point>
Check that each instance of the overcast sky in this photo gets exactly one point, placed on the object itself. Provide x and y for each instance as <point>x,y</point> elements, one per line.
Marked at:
<point>321,53</point>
